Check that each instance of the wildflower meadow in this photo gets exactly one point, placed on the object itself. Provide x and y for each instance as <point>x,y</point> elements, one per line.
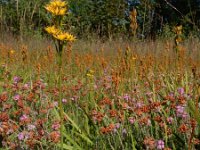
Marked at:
<point>60,92</point>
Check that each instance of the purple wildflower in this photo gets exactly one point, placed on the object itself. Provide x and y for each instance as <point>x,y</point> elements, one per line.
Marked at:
<point>21,136</point>
<point>31,127</point>
<point>16,79</point>
<point>171,95</point>
<point>180,112</point>
<point>55,104</point>
<point>170,120</point>
<point>26,86</point>
<point>117,125</point>
<point>160,144</point>
<point>56,126</point>
<point>131,120</point>
<point>16,97</point>
<point>23,117</point>
<point>126,97</point>
<point>64,100</point>
<point>181,91</point>
<point>139,105</point>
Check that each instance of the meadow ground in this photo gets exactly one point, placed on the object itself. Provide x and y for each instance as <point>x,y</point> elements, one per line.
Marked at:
<point>116,95</point>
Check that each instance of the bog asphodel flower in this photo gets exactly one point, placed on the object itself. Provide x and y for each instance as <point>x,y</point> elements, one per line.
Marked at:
<point>57,7</point>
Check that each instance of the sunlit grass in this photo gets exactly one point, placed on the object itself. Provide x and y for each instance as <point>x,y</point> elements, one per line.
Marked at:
<point>116,95</point>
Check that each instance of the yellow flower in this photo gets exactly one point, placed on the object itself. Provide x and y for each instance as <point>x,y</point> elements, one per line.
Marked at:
<point>62,11</point>
<point>61,36</point>
<point>57,7</point>
<point>178,29</point>
<point>89,75</point>
<point>58,34</point>
<point>178,40</point>
<point>70,38</point>
<point>52,30</point>
<point>58,3</point>
<point>91,71</point>
<point>134,58</point>
<point>64,36</point>
<point>12,52</point>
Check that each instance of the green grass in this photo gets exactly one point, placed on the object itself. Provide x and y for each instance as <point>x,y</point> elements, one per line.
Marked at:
<point>146,89</point>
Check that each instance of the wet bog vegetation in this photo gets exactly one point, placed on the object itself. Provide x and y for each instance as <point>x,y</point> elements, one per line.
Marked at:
<point>62,92</point>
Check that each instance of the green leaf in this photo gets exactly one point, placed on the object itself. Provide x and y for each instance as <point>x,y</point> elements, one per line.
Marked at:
<point>66,146</point>
<point>76,146</point>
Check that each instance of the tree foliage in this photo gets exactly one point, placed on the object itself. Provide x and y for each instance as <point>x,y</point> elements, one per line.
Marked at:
<point>103,17</point>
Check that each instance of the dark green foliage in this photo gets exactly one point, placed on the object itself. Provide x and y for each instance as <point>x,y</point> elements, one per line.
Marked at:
<point>106,18</point>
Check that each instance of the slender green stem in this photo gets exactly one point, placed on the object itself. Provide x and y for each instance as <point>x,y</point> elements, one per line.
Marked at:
<point>61,110</point>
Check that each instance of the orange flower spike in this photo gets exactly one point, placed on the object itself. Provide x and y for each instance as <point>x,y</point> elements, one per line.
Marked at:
<point>183,128</point>
<point>113,113</point>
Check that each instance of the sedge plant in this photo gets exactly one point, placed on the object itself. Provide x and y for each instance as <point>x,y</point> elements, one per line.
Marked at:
<point>58,9</point>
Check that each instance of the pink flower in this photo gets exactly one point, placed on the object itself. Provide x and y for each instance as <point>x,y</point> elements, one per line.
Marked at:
<point>26,86</point>
<point>23,117</point>
<point>139,105</point>
<point>16,97</point>
<point>55,104</point>
<point>21,136</point>
<point>56,126</point>
<point>117,125</point>
<point>170,120</point>
<point>180,112</point>
<point>131,120</point>
<point>160,144</point>
<point>181,91</point>
<point>64,100</point>
<point>126,97</point>
<point>31,127</point>
<point>16,79</point>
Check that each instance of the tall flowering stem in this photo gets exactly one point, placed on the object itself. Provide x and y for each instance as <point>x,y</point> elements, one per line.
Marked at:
<point>133,21</point>
<point>58,9</point>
